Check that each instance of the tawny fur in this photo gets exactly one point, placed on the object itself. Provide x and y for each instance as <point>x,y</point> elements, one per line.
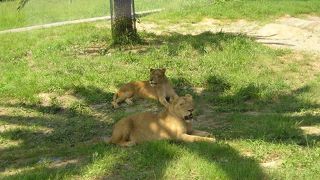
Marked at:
<point>168,124</point>
<point>158,88</point>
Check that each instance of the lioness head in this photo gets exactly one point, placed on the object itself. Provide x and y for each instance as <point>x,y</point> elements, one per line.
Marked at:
<point>182,107</point>
<point>157,76</point>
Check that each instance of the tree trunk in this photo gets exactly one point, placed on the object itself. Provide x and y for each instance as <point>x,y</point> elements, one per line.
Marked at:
<point>123,25</point>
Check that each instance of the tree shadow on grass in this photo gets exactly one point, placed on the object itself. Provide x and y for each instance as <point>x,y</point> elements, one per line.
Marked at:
<point>92,95</point>
<point>273,120</point>
<point>53,130</point>
<point>70,134</point>
<point>246,115</point>
<point>198,42</point>
<point>202,43</point>
<point>176,43</point>
<point>201,160</point>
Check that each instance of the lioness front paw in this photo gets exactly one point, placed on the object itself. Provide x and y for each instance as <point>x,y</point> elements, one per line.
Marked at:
<point>211,139</point>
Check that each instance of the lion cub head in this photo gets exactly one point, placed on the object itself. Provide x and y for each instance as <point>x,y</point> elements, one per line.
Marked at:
<point>182,107</point>
<point>157,76</point>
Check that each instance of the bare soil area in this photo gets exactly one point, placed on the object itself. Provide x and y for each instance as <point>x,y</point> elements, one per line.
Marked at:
<point>301,34</point>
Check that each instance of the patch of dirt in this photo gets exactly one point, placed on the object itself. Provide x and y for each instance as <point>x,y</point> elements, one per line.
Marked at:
<point>311,130</point>
<point>272,160</point>
<point>63,163</point>
<point>10,144</point>
<point>247,153</point>
<point>49,99</point>
<point>67,100</point>
<point>198,90</point>
<point>155,28</point>
<point>13,171</point>
<point>3,111</point>
<point>9,111</point>
<point>295,33</point>
<point>46,98</point>
<point>207,24</point>
<point>94,49</point>
<point>287,32</point>
<point>7,127</point>
<point>272,164</point>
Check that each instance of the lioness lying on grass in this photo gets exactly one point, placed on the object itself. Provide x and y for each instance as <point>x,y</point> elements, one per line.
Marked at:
<point>172,123</point>
<point>158,88</point>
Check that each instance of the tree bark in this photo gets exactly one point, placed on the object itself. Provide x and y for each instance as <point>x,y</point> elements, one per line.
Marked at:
<point>123,25</point>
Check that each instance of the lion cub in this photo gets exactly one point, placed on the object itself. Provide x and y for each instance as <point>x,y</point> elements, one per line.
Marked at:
<point>158,88</point>
<point>172,123</point>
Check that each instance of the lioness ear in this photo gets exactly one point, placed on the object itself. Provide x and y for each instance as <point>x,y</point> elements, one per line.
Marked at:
<point>188,96</point>
<point>163,70</point>
<point>151,69</point>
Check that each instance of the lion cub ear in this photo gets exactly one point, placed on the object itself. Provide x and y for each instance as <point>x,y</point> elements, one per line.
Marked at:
<point>188,96</point>
<point>151,69</point>
<point>163,70</point>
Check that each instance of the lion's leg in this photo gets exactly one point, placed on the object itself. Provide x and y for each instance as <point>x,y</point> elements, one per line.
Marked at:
<point>163,101</point>
<point>120,98</point>
<point>194,138</point>
<point>172,95</point>
<point>162,98</point>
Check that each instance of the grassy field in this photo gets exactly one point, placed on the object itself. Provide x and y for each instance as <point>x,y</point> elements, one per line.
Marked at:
<point>262,10</point>
<point>261,104</point>
<point>40,12</point>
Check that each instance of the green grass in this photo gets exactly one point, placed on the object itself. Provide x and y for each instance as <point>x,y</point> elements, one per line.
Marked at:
<point>262,10</point>
<point>254,101</point>
<point>250,106</point>
<point>41,12</point>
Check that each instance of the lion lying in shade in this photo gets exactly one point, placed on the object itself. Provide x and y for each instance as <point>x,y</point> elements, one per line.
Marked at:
<point>172,123</point>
